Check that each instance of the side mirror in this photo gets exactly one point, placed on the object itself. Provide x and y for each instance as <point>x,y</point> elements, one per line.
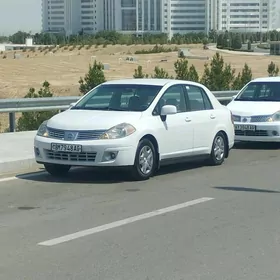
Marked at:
<point>233,97</point>
<point>168,110</point>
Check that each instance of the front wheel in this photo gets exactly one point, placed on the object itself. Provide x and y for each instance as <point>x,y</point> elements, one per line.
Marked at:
<point>218,152</point>
<point>145,161</point>
<point>57,170</point>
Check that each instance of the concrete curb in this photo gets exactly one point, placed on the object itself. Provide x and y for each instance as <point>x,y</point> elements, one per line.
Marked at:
<point>16,152</point>
<point>237,52</point>
<point>17,166</point>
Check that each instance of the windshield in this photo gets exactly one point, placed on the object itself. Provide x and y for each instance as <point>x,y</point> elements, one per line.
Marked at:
<point>119,97</point>
<point>260,91</point>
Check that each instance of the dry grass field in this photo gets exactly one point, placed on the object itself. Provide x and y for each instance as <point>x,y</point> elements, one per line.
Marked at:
<point>64,67</point>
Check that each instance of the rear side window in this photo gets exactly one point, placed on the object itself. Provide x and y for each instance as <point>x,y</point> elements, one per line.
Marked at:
<point>197,99</point>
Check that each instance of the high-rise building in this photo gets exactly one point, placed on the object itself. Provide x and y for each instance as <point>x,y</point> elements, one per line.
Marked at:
<point>61,16</point>
<point>184,16</point>
<point>244,15</point>
<point>91,15</point>
<point>134,16</point>
<point>157,16</point>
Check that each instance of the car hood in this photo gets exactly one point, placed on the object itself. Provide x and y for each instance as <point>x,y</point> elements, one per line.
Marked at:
<point>253,108</point>
<point>91,120</point>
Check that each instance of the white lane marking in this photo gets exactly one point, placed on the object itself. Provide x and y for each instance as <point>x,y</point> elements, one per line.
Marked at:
<point>24,176</point>
<point>112,225</point>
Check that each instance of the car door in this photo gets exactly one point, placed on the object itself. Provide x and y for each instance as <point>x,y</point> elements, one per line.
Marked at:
<point>202,116</point>
<point>174,134</point>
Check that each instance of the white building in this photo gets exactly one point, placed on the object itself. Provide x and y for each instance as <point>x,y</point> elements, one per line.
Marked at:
<point>184,16</point>
<point>157,16</point>
<point>61,16</point>
<point>245,15</point>
<point>134,16</point>
<point>91,15</point>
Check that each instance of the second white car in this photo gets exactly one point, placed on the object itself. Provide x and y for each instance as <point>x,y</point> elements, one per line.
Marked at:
<point>140,124</point>
<point>256,111</point>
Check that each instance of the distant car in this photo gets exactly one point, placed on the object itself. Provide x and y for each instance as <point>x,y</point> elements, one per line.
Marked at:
<point>256,111</point>
<point>140,124</point>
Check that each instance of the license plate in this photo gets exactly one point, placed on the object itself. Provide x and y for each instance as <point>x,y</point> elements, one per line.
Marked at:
<point>244,127</point>
<point>66,148</point>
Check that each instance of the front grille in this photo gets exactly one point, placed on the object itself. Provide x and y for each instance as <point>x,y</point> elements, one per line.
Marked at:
<point>80,135</point>
<point>54,133</point>
<point>251,133</point>
<point>92,135</point>
<point>263,118</point>
<point>259,118</point>
<point>73,157</point>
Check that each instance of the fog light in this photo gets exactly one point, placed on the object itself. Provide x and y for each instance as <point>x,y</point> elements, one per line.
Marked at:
<point>274,133</point>
<point>36,151</point>
<point>108,156</point>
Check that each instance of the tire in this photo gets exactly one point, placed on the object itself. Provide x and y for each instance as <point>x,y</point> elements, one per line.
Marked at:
<point>57,170</point>
<point>218,151</point>
<point>145,154</point>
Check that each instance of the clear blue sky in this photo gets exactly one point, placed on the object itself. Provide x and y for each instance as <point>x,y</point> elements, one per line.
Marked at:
<point>24,15</point>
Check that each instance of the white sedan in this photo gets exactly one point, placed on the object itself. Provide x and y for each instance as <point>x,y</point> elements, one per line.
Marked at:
<point>140,124</point>
<point>256,111</point>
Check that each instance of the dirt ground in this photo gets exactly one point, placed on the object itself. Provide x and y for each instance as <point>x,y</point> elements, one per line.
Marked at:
<point>63,68</point>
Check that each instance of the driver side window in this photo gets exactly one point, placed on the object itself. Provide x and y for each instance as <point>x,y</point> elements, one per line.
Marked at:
<point>174,95</point>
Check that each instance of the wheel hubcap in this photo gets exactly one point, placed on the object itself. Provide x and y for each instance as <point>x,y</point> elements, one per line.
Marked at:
<point>219,148</point>
<point>146,160</point>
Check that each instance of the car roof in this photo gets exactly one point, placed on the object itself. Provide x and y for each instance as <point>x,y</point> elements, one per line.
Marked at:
<point>267,79</point>
<point>149,81</point>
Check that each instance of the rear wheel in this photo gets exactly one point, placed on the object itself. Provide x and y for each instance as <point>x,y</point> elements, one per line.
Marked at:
<point>145,161</point>
<point>57,170</point>
<point>218,152</point>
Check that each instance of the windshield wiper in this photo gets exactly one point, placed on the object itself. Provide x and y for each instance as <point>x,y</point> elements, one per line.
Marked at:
<point>98,108</point>
<point>244,99</point>
<point>266,99</point>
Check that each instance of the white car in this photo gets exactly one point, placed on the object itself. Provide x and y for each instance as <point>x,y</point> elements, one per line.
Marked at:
<point>256,111</point>
<point>140,124</point>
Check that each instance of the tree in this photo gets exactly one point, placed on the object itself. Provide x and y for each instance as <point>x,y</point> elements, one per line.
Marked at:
<point>272,69</point>
<point>160,73</point>
<point>220,41</point>
<point>93,78</point>
<point>249,45</point>
<point>32,120</point>
<point>237,42</point>
<point>242,78</point>
<point>183,72</point>
<point>219,75</point>
<point>138,73</point>
<point>212,35</point>
<point>193,75</point>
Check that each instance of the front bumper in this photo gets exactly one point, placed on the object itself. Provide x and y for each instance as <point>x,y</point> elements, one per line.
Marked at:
<point>110,153</point>
<point>263,132</point>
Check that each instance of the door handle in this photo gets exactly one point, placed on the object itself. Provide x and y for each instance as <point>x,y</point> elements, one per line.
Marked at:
<point>212,116</point>
<point>188,119</point>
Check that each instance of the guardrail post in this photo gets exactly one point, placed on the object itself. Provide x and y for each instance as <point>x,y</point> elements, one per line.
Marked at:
<point>12,121</point>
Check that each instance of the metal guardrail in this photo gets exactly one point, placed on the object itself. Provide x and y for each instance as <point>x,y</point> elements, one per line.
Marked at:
<point>13,106</point>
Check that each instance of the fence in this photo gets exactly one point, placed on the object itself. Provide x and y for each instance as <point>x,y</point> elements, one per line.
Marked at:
<point>12,106</point>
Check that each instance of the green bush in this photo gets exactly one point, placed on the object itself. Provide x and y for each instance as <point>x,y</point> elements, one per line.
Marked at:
<point>93,78</point>
<point>157,49</point>
<point>32,120</point>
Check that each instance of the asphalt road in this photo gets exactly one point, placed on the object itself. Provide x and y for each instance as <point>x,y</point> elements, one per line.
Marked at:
<point>224,223</point>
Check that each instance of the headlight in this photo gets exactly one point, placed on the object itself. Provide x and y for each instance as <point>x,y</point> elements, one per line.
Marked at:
<point>118,131</point>
<point>275,117</point>
<point>43,130</point>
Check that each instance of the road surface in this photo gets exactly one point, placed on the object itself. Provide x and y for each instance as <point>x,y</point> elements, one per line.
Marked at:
<point>189,222</point>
